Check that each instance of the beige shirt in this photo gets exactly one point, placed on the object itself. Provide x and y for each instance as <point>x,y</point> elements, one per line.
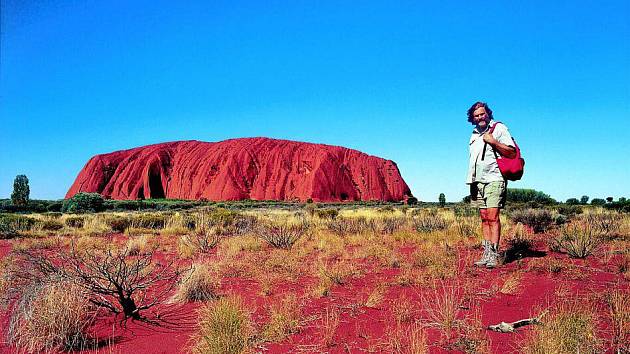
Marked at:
<point>486,170</point>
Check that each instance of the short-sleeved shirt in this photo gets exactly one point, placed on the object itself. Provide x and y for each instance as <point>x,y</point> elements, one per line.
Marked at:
<point>486,170</point>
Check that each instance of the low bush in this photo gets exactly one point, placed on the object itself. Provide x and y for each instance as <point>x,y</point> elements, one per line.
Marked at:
<point>17,222</point>
<point>148,221</point>
<point>389,225</point>
<point>224,327</point>
<point>604,224</point>
<point>538,219</point>
<point>569,210</point>
<point>327,213</point>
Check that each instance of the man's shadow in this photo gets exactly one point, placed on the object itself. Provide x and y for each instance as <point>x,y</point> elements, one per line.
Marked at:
<point>520,251</point>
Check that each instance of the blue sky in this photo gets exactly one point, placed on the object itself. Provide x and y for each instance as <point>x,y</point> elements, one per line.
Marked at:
<point>392,79</point>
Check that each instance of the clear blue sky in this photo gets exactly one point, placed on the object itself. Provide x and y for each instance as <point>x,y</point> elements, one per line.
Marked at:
<point>392,79</point>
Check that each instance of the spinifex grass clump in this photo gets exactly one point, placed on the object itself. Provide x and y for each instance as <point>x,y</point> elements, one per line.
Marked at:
<point>224,327</point>
<point>284,319</point>
<point>200,284</point>
<point>283,235</point>
<point>429,223</point>
<point>606,224</point>
<point>578,240</point>
<point>569,328</point>
<point>538,219</point>
<point>50,315</point>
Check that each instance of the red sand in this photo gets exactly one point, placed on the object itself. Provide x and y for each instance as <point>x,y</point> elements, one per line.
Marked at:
<point>362,328</point>
<point>237,169</point>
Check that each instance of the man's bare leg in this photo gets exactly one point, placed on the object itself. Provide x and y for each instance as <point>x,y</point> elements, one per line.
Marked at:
<point>494,224</point>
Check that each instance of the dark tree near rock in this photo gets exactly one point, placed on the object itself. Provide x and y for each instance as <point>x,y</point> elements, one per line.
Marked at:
<point>442,200</point>
<point>21,190</point>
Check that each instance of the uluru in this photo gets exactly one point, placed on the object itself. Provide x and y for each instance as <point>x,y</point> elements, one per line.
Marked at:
<point>244,168</point>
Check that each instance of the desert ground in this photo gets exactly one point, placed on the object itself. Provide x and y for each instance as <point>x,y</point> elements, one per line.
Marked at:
<point>309,278</point>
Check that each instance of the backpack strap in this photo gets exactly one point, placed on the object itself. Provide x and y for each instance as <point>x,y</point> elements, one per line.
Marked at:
<point>483,154</point>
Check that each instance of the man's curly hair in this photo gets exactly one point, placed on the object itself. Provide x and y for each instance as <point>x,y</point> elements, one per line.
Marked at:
<point>475,106</point>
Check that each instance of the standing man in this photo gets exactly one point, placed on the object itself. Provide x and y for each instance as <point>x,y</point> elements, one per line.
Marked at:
<point>487,185</point>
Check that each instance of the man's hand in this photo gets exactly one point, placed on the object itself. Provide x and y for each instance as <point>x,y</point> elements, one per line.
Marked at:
<point>488,138</point>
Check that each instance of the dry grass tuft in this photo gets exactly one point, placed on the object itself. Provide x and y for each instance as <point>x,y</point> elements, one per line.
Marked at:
<point>284,319</point>
<point>403,310</point>
<point>511,284</point>
<point>329,324</point>
<point>618,302</point>
<point>224,327</point>
<point>443,308</point>
<point>376,296</point>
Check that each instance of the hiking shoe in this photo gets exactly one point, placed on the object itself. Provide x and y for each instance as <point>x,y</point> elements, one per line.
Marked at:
<point>493,260</point>
<point>493,257</point>
<point>484,258</point>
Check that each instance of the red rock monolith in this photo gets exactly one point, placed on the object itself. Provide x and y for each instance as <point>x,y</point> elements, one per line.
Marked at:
<point>237,169</point>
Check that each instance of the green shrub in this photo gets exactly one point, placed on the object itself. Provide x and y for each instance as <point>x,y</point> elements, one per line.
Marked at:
<point>328,213</point>
<point>598,201</point>
<point>17,222</point>
<point>521,195</point>
<point>83,203</point>
<point>569,210</point>
<point>54,207</point>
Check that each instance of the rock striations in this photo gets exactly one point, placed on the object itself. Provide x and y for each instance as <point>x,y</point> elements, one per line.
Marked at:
<point>237,169</point>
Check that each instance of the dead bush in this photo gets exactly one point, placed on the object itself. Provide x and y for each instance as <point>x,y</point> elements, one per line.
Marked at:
<point>112,279</point>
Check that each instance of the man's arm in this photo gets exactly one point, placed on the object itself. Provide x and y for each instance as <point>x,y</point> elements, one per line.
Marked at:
<point>504,150</point>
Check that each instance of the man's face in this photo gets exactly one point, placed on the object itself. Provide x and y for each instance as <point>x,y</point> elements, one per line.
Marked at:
<point>480,117</point>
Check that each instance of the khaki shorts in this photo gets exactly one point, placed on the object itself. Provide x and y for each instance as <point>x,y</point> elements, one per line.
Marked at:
<point>488,195</point>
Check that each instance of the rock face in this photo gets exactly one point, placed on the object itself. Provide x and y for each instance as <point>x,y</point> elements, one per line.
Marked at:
<point>237,169</point>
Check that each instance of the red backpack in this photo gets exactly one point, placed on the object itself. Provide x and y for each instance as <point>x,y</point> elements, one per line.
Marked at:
<point>511,169</point>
